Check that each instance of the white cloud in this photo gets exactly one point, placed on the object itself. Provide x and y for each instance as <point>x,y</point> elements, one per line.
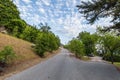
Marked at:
<point>41,10</point>
<point>60,21</point>
<point>86,0</point>
<point>62,15</point>
<point>39,3</point>
<point>73,25</point>
<point>17,2</point>
<point>46,2</point>
<point>27,1</point>
<point>34,19</point>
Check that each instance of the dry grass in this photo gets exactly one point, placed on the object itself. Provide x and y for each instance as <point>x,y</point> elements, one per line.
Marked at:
<point>26,64</point>
<point>22,48</point>
<point>26,57</point>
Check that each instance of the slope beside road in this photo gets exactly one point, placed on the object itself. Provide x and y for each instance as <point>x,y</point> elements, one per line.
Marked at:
<point>64,67</point>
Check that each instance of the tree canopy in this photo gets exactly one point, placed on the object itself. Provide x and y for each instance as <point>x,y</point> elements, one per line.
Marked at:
<point>76,46</point>
<point>44,27</point>
<point>46,42</point>
<point>8,11</point>
<point>89,41</point>
<point>43,39</point>
<point>96,9</point>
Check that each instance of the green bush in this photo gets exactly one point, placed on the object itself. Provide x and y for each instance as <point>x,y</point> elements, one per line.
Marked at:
<point>29,34</point>
<point>7,55</point>
<point>46,42</point>
<point>42,44</point>
<point>116,58</point>
<point>77,47</point>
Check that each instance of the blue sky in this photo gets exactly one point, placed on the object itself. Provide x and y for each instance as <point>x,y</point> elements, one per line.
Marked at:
<point>62,16</point>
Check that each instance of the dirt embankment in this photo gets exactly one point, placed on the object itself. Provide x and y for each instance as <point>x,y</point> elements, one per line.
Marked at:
<point>26,56</point>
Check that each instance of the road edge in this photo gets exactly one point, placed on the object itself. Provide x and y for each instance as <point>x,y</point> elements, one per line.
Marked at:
<point>28,64</point>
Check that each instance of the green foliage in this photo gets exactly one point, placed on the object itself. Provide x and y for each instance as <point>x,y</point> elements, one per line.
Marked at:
<point>7,54</point>
<point>42,44</point>
<point>46,42</point>
<point>111,45</point>
<point>15,31</point>
<point>95,9</point>
<point>77,47</point>
<point>108,43</point>
<point>44,27</point>
<point>44,39</point>
<point>84,44</point>
<point>89,42</point>
<point>16,25</point>
<point>29,33</point>
<point>8,11</point>
<point>10,19</point>
<point>54,42</point>
<point>115,59</point>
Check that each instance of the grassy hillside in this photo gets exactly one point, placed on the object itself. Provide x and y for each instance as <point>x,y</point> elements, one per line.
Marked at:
<point>22,48</point>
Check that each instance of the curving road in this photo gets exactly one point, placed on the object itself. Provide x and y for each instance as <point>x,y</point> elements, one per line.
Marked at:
<point>64,67</point>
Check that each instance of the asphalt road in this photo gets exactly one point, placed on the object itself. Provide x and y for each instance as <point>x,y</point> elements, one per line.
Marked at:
<point>64,67</point>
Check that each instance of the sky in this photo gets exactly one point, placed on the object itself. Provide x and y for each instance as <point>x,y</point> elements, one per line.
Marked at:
<point>61,15</point>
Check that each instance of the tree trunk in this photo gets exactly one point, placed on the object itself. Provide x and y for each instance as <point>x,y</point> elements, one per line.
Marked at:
<point>112,58</point>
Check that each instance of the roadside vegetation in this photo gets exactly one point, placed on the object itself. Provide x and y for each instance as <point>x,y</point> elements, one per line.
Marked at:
<point>76,47</point>
<point>117,64</point>
<point>39,38</point>
<point>22,52</point>
<point>104,44</point>
<point>46,41</point>
<point>83,45</point>
<point>6,56</point>
<point>106,41</point>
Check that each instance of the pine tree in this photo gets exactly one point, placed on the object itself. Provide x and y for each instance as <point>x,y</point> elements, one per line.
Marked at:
<point>96,9</point>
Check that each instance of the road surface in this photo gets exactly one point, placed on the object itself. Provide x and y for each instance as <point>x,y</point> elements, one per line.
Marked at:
<point>97,59</point>
<point>64,67</point>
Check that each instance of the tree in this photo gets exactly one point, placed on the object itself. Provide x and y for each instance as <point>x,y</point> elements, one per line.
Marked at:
<point>96,9</point>
<point>42,44</point>
<point>111,45</point>
<point>77,47</point>
<point>108,45</point>
<point>29,33</point>
<point>44,27</point>
<point>16,24</point>
<point>54,42</point>
<point>10,19</point>
<point>46,40</point>
<point>8,11</point>
<point>88,41</point>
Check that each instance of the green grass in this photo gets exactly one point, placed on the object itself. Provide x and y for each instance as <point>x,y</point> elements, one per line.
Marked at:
<point>85,58</point>
<point>117,64</point>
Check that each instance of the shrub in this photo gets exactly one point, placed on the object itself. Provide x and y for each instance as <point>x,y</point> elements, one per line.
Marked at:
<point>77,47</point>
<point>6,55</point>
<point>108,58</point>
<point>46,42</point>
<point>42,44</point>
